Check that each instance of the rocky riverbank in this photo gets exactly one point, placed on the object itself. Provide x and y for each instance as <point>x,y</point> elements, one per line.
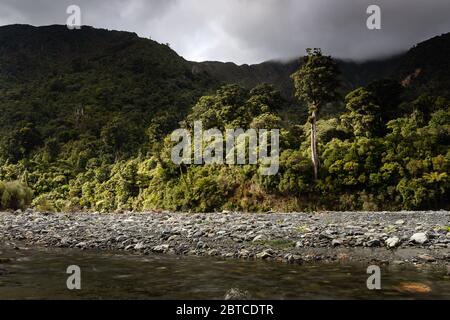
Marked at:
<point>382,237</point>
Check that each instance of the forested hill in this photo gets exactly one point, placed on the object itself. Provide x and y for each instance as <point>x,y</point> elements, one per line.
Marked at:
<point>278,73</point>
<point>425,67</point>
<point>69,84</point>
<point>85,119</point>
<point>29,52</point>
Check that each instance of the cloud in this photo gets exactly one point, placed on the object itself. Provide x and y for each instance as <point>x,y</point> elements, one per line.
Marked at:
<point>251,31</point>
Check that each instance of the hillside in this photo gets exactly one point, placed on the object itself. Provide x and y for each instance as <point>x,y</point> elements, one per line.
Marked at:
<point>85,118</point>
<point>431,57</point>
<point>73,84</point>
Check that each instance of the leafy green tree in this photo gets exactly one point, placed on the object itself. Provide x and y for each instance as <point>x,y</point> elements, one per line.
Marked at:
<point>316,84</point>
<point>387,95</point>
<point>364,117</point>
<point>20,142</point>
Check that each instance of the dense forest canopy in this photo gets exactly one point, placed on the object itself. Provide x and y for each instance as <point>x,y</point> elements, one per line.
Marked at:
<point>86,117</point>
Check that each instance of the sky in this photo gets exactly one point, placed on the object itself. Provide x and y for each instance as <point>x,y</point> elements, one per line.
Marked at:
<point>252,31</point>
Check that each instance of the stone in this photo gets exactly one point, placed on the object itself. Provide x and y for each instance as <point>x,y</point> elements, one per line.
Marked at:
<point>336,243</point>
<point>264,255</point>
<point>237,294</point>
<point>259,237</point>
<point>161,248</point>
<point>293,258</point>
<point>393,242</point>
<point>213,252</point>
<point>140,246</point>
<point>419,238</point>
<point>374,243</point>
<point>244,253</point>
<point>400,222</point>
<point>81,245</point>
<point>427,258</point>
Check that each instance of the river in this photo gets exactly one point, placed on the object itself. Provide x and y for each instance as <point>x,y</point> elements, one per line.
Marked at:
<point>39,273</point>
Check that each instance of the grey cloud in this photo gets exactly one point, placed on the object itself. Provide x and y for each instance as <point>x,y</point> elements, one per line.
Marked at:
<point>250,31</point>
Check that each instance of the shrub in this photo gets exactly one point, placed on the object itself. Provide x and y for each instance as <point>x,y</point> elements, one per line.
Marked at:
<point>14,195</point>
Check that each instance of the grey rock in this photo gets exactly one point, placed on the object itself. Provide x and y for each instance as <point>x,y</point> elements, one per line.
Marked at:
<point>419,238</point>
<point>336,243</point>
<point>427,258</point>
<point>393,242</point>
<point>299,244</point>
<point>293,258</point>
<point>264,254</point>
<point>81,245</point>
<point>244,253</point>
<point>373,243</point>
<point>161,248</point>
<point>140,246</point>
<point>259,237</point>
<point>237,294</point>
<point>213,252</point>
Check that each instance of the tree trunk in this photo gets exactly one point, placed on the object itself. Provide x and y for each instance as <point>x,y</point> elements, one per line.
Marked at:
<point>314,155</point>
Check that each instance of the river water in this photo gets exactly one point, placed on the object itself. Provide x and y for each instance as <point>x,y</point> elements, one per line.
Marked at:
<point>38,273</point>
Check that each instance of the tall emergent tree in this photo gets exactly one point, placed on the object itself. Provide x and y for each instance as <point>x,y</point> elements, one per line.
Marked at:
<point>316,84</point>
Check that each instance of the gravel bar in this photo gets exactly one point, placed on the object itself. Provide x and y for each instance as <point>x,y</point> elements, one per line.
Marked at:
<point>382,237</point>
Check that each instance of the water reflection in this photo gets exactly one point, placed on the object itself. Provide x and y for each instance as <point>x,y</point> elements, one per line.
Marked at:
<point>41,274</point>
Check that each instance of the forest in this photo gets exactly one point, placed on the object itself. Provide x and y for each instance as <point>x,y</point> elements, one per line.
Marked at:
<point>86,119</point>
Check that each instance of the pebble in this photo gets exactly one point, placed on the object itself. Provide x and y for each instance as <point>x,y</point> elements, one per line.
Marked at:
<point>427,258</point>
<point>392,242</point>
<point>419,238</point>
<point>259,238</point>
<point>237,294</point>
<point>161,248</point>
<point>336,243</point>
<point>264,255</point>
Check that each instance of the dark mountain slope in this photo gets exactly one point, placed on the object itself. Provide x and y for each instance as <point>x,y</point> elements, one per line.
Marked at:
<point>109,85</point>
<point>430,57</point>
<point>426,67</point>
<point>278,73</point>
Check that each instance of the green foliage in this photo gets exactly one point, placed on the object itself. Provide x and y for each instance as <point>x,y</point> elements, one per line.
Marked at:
<point>14,195</point>
<point>316,82</point>
<point>86,125</point>
<point>364,116</point>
